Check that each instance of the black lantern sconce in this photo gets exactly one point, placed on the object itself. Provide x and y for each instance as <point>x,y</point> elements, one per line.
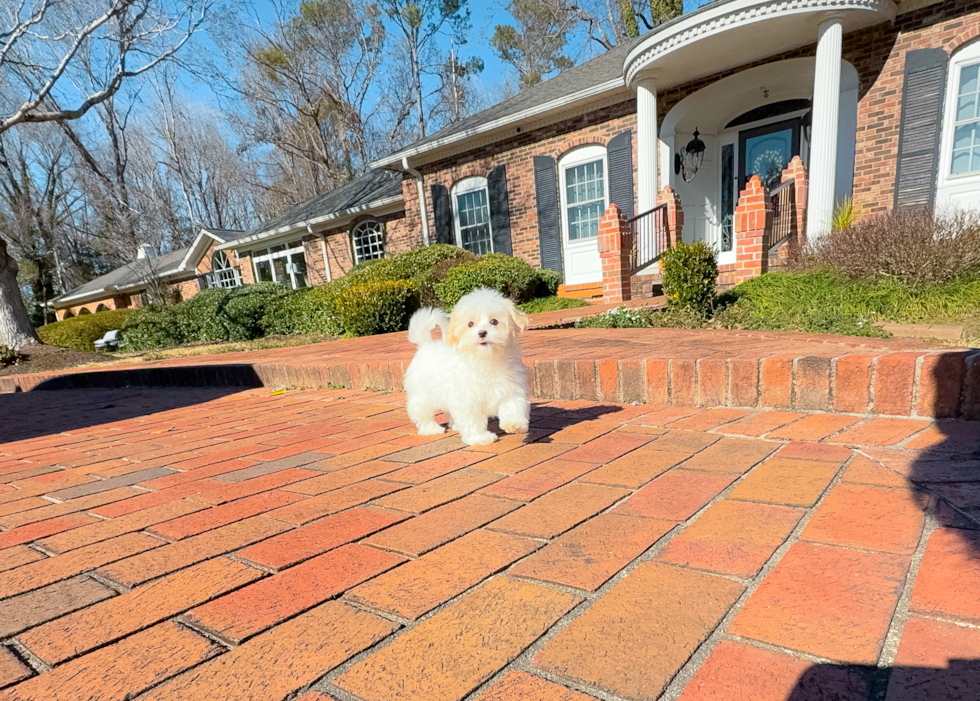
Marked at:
<point>689,160</point>
<point>806,122</point>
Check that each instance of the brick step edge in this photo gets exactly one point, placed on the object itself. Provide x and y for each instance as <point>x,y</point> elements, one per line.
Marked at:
<point>907,383</point>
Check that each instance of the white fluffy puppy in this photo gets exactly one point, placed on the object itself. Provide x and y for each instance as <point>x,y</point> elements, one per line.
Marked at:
<point>474,373</point>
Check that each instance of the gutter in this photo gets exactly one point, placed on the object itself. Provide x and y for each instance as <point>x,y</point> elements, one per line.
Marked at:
<point>423,209</point>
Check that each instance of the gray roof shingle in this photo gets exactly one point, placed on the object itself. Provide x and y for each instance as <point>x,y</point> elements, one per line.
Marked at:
<point>129,275</point>
<point>361,191</point>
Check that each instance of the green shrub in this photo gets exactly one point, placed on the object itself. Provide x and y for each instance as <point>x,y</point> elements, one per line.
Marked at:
<point>82,332</point>
<point>625,318</point>
<point>510,276</point>
<point>828,302</point>
<point>548,281</point>
<point>152,327</point>
<point>550,304</point>
<point>229,315</point>
<point>690,273</point>
<point>8,356</point>
<point>376,307</point>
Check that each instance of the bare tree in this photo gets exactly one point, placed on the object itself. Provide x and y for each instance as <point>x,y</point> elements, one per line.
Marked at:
<point>44,42</point>
<point>59,59</point>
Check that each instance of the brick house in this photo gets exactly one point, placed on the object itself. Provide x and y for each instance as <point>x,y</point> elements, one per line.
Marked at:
<point>741,124</point>
<point>184,272</point>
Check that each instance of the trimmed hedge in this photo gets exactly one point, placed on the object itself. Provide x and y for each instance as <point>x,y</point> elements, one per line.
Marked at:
<point>374,297</point>
<point>81,332</point>
<point>690,273</point>
<point>376,307</point>
<point>510,276</point>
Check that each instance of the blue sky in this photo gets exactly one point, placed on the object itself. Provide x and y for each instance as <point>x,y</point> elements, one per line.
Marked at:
<point>485,16</point>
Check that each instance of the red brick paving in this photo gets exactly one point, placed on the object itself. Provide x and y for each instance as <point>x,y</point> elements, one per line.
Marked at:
<point>627,551</point>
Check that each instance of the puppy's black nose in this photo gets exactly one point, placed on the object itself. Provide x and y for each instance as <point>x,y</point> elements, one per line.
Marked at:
<point>483,334</point>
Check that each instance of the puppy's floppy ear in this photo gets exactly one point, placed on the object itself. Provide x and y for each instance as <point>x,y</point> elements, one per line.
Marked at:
<point>452,331</point>
<point>519,319</point>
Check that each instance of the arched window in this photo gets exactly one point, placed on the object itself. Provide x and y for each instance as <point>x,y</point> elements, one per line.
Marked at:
<point>222,273</point>
<point>472,215</point>
<point>369,240</point>
<point>83,311</point>
<point>101,308</point>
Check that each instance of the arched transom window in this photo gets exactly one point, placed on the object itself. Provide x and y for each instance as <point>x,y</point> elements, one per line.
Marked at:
<point>369,240</point>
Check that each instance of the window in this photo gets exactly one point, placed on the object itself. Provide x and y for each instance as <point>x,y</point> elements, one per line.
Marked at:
<point>472,215</point>
<point>222,273</point>
<point>583,175</point>
<point>966,126</point>
<point>285,264</point>
<point>369,241</point>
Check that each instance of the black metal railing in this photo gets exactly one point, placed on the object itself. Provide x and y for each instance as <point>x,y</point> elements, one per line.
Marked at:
<point>651,236</point>
<point>782,205</point>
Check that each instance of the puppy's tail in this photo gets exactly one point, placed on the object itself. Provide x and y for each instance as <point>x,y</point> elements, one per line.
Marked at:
<point>423,322</point>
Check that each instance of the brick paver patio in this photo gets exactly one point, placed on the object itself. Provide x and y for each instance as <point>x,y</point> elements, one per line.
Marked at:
<point>221,544</point>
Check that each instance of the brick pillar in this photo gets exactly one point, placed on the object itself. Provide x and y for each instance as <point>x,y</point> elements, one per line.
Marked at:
<point>675,213</point>
<point>797,171</point>
<point>615,252</point>
<point>752,220</point>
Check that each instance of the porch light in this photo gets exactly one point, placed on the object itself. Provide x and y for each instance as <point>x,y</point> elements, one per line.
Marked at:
<point>689,160</point>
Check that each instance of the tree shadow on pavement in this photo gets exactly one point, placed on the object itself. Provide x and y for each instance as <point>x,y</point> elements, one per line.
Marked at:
<point>938,657</point>
<point>111,396</point>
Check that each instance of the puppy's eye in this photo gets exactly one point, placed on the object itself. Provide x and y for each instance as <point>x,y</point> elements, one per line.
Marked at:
<point>470,324</point>
<point>493,321</point>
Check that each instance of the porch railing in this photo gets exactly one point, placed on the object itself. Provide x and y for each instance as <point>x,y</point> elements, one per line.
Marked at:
<point>783,206</point>
<point>651,236</point>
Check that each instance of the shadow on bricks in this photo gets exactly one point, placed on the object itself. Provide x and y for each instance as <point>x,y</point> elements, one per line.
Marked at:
<point>27,415</point>
<point>938,654</point>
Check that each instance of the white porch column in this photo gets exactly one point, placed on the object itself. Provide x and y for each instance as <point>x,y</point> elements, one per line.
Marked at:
<point>646,145</point>
<point>823,144</point>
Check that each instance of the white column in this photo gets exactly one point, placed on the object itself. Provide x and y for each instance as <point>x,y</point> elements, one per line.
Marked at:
<point>646,145</point>
<point>823,142</point>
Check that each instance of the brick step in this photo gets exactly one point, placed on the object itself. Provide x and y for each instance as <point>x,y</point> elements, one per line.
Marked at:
<point>587,291</point>
<point>927,383</point>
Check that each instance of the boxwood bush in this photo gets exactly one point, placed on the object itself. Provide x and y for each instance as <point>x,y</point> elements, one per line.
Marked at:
<point>510,276</point>
<point>376,307</point>
<point>82,332</point>
<point>690,272</point>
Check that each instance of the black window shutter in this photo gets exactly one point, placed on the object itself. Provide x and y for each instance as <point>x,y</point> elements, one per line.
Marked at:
<point>443,209</point>
<point>619,154</point>
<point>499,209</point>
<point>923,93</point>
<point>549,229</point>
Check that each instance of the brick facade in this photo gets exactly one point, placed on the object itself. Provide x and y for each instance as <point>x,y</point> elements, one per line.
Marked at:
<point>594,128</point>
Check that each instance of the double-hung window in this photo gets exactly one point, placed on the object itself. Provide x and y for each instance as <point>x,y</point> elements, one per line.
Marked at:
<point>285,264</point>
<point>584,185</point>
<point>472,215</point>
<point>966,125</point>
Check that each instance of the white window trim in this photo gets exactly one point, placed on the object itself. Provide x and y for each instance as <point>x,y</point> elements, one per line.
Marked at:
<point>353,236</point>
<point>471,184</point>
<point>967,56</point>
<point>291,248</point>
<point>581,156</point>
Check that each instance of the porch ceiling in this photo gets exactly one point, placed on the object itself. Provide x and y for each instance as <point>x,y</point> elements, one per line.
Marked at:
<point>731,33</point>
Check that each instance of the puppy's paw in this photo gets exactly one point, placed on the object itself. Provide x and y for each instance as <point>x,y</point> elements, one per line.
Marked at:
<point>431,429</point>
<point>514,427</point>
<point>485,438</point>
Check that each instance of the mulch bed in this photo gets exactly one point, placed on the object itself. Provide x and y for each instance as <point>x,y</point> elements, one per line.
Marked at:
<point>47,358</point>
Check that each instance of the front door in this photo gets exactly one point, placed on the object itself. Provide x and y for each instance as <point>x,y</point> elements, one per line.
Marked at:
<point>584,193</point>
<point>766,151</point>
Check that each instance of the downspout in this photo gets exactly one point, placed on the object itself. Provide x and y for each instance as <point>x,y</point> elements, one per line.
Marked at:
<point>423,210</point>
<point>323,250</point>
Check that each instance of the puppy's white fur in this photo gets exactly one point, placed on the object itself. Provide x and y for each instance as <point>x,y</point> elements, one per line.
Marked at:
<point>474,373</point>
